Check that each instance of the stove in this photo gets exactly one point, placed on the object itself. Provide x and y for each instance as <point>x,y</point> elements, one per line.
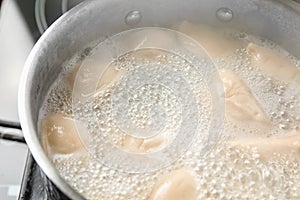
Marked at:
<point>21,24</point>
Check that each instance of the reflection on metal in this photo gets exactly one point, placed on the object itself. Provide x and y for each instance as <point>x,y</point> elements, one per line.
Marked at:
<point>64,6</point>
<point>40,16</point>
<point>46,12</point>
<point>9,135</point>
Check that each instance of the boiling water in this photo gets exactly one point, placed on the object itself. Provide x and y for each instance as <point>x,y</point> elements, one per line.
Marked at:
<point>221,172</point>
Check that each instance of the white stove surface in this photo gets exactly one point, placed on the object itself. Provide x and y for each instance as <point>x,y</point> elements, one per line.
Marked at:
<point>13,157</point>
<point>15,45</point>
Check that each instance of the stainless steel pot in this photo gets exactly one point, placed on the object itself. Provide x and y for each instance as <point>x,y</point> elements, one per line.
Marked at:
<point>90,20</point>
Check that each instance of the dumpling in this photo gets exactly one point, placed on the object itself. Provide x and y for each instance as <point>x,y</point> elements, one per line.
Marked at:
<point>178,185</point>
<point>241,105</point>
<point>60,134</point>
<point>139,145</point>
<point>286,144</point>
<point>112,76</point>
<point>109,77</point>
<point>213,42</point>
<point>273,64</point>
<point>86,81</point>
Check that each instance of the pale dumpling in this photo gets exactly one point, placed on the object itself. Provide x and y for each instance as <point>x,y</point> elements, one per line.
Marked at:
<point>144,38</point>
<point>88,86</point>
<point>97,73</point>
<point>178,185</point>
<point>139,145</point>
<point>109,77</point>
<point>241,105</point>
<point>78,83</point>
<point>273,64</point>
<point>286,144</point>
<point>112,76</point>
<point>60,134</point>
<point>213,42</point>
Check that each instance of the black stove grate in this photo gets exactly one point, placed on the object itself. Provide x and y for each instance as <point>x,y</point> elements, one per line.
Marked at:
<point>35,184</point>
